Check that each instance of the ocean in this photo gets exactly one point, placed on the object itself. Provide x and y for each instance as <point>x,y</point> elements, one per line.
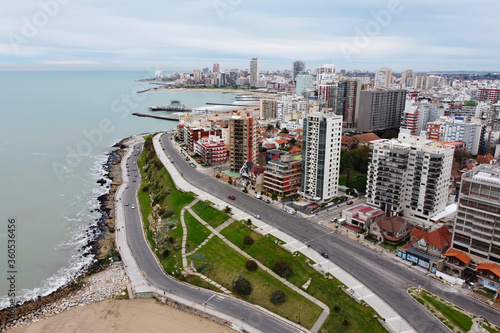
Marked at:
<point>56,128</point>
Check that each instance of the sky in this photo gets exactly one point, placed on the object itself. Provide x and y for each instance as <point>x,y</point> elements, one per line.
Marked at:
<point>183,35</point>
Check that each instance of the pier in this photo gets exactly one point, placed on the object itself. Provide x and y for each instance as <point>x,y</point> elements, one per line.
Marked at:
<point>174,118</point>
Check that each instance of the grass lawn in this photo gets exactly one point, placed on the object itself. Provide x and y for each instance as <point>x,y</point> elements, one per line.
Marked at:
<point>456,317</point>
<point>209,214</point>
<point>197,232</point>
<point>341,305</point>
<point>227,264</point>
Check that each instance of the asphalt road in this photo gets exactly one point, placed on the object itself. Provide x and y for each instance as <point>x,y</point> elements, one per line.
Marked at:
<point>385,277</point>
<point>155,276</point>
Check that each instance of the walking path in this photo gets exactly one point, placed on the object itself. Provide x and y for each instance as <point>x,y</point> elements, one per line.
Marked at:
<point>393,321</point>
<point>326,310</point>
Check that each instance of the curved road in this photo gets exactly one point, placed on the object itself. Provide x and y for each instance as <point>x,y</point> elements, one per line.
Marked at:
<point>155,276</point>
<point>384,276</point>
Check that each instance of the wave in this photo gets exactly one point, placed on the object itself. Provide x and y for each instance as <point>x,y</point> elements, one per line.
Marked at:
<point>83,232</point>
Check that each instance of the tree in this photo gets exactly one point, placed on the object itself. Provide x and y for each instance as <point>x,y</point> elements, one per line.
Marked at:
<point>227,210</point>
<point>248,240</point>
<point>292,142</point>
<point>251,265</point>
<point>278,297</point>
<point>269,128</point>
<point>242,286</point>
<point>282,268</point>
<point>284,130</point>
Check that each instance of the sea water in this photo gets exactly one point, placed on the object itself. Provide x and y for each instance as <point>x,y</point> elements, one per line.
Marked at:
<point>56,128</point>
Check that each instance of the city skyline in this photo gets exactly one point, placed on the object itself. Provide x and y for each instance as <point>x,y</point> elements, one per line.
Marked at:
<point>63,34</point>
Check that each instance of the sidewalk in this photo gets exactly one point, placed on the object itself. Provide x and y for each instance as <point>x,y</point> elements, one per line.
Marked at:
<point>393,321</point>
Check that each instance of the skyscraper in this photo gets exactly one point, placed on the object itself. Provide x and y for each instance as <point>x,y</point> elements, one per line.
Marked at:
<point>321,156</point>
<point>409,177</point>
<point>347,105</point>
<point>383,78</point>
<point>216,68</point>
<point>254,73</point>
<point>475,231</point>
<point>380,110</point>
<point>242,140</point>
<point>298,66</point>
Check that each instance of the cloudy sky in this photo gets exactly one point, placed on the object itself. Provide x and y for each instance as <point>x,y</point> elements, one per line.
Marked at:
<point>181,35</point>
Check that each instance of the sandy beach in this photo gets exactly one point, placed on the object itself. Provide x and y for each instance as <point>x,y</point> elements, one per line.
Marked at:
<point>135,315</point>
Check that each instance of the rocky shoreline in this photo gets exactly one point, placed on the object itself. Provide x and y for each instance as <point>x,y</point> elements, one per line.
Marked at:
<point>111,282</point>
<point>101,275</point>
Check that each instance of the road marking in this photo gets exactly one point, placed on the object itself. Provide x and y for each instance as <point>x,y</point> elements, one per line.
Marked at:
<point>312,240</point>
<point>210,298</point>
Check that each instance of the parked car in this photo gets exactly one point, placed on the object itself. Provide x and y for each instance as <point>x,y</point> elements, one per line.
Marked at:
<point>258,196</point>
<point>266,200</point>
<point>350,202</point>
<point>231,197</point>
<point>257,216</point>
<point>245,190</point>
<point>324,255</point>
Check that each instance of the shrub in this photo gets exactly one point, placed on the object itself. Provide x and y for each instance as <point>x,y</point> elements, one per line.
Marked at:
<point>242,286</point>
<point>167,213</point>
<point>251,265</point>
<point>345,323</point>
<point>165,253</point>
<point>282,268</point>
<point>247,240</point>
<point>278,297</point>
<point>249,222</point>
<point>145,188</point>
<point>336,308</point>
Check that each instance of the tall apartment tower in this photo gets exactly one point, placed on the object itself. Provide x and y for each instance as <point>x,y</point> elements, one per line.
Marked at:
<point>477,230</point>
<point>268,108</point>
<point>407,79</point>
<point>298,66</point>
<point>383,78</point>
<point>380,110</point>
<point>254,73</point>
<point>347,105</point>
<point>409,176</point>
<point>321,156</point>
<point>242,140</point>
<point>216,68</point>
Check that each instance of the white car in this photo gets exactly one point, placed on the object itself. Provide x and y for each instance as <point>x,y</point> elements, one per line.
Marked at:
<point>132,207</point>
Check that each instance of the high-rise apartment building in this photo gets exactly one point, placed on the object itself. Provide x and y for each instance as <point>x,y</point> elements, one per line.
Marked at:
<point>383,78</point>
<point>268,108</point>
<point>491,96</point>
<point>409,177</point>
<point>477,230</point>
<point>242,140</point>
<point>407,79</point>
<point>321,156</point>
<point>347,105</point>
<point>449,129</point>
<point>380,110</point>
<point>304,83</point>
<point>298,67</point>
<point>254,73</point>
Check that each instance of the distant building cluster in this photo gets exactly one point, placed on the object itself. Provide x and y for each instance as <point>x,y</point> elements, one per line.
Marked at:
<point>433,142</point>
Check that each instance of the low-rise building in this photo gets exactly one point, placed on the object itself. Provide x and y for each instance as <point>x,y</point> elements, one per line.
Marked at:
<point>488,276</point>
<point>211,149</point>
<point>390,229</point>
<point>361,216</point>
<point>282,177</point>
<point>458,264</point>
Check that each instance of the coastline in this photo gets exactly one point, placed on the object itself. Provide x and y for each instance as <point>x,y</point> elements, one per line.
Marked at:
<point>101,246</point>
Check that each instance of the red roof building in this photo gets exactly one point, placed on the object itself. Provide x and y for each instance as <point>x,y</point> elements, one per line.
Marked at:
<point>436,242</point>
<point>391,229</point>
